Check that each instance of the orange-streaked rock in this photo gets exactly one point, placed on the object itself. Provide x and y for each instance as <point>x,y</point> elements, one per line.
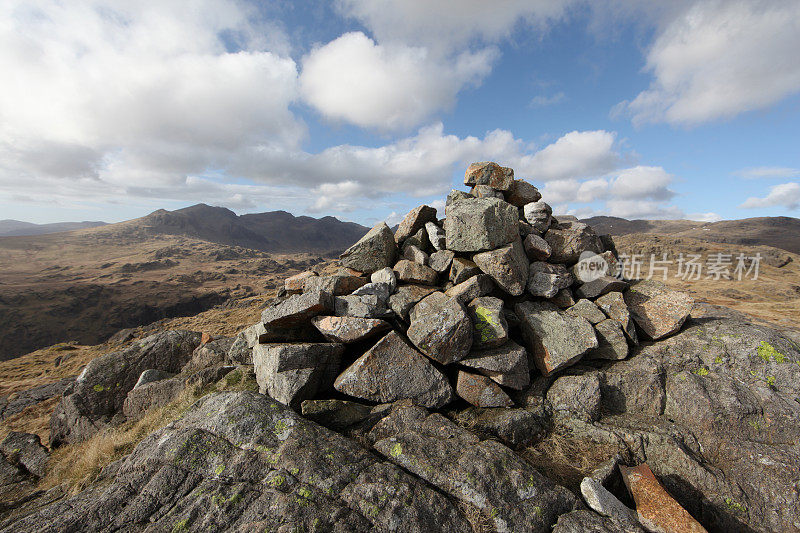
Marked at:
<point>657,510</point>
<point>294,284</point>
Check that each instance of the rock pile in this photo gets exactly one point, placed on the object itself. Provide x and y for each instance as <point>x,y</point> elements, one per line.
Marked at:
<point>467,307</point>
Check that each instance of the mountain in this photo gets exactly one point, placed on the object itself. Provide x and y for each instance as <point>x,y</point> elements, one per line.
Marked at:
<point>779,232</point>
<point>274,231</point>
<point>10,228</point>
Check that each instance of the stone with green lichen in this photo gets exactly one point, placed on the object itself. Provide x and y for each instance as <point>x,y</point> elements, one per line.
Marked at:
<point>489,326</point>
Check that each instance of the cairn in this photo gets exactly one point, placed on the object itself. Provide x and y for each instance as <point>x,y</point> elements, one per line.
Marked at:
<point>473,306</point>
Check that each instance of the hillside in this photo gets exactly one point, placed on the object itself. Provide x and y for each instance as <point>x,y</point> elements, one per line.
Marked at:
<point>275,231</point>
<point>83,286</point>
<point>10,228</point>
<point>779,232</point>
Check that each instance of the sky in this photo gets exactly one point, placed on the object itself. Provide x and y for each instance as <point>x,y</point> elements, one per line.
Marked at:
<point>364,109</point>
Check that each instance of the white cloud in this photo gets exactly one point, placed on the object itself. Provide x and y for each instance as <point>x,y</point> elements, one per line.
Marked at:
<point>785,195</point>
<point>386,87</point>
<point>642,182</point>
<point>440,24</point>
<point>768,172</point>
<point>719,58</point>
<point>544,101</point>
<point>578,154</point>
<point>142,93</point>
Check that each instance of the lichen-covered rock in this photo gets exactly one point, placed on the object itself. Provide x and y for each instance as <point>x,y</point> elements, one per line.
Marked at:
<point>554,339</point>
<point>243,462</point>
<point>491,174</point>
<point>481,391</point>
<point>489,326</point>
<point>100,391</point>
<point>149,395</point>
<point>588,310</point>
<point>291,373</point>
<point>347,329</point>
<point>410,272</point>
<point>406,297</point>
<point>536,247</point>
<point>612,342</point>
<point>442,331</point>
<point>485,474</point>
<point>506,364</point>
<point>208,354</point>
<point>441,260</point>
<point>363,306</point>
<point>545,280</point>
<point>507,265</point>
<point>26,450</point>
<point>374,251</point>
<point>657,310</point>
<point>480,224</point>
<point>456,196</point>
<point>413,253</point>
<point>568,240</point>
<point>393,370</point>
<point>296,310</point>
<point>521,193</point>
<point>414,221</point>
<point>476,286</point>
<point>614,306</point>
<point>576,397</point>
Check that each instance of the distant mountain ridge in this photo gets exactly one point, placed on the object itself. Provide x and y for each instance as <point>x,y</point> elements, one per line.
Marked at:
<point>11,228</point>
<point>273,231</point>
<point>779,232</point>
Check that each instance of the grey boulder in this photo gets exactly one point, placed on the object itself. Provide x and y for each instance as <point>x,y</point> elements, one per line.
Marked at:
<point>374,251</point>
<point>393,370</point>
<point>291,373</point>
<point>554,339</point>
<point>480,224</point>
<point>507,266</point>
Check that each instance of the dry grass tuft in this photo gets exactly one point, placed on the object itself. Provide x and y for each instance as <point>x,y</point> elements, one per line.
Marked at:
<point>567,460</point>
<point>479,520</point>
<point>78,465</point>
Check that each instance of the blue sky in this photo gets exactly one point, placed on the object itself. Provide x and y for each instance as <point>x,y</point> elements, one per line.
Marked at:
<point>363,109</point>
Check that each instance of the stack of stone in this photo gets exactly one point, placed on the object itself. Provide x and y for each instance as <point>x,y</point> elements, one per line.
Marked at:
<point>472,306</point>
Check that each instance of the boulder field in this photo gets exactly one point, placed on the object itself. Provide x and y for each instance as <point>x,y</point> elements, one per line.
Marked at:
<point>402,388</point>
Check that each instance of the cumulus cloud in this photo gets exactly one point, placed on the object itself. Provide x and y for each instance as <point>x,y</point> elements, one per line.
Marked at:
<point>719,58</point>
<point>439,24</point>
<point>386,86</point>
<point>785,195</point>
<point>144,93</point>
<point>643,183</point>
<point>768,172</point>
<point>577,154</point>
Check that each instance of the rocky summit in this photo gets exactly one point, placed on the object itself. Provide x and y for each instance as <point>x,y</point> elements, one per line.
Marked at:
<point>462,374</point>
